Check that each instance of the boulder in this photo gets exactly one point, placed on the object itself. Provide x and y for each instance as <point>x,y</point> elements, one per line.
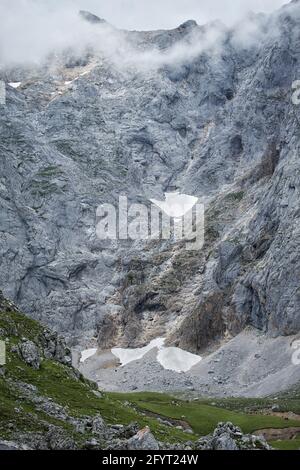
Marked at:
<point>143,440</point>
<point>30,354</point>
<point>227,436</point>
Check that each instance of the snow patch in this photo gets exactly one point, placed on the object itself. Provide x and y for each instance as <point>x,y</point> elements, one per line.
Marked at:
<point>87,353</point>
<point>176,205</point>
<point>177,359</point>
<point>129,355</point>
<point>15,84</point>
<point>69,82</point>
<point>172,358</point>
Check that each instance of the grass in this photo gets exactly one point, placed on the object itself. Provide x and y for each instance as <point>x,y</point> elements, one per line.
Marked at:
<point>19,414</point>
<point>15,324</point>
<point>285,402</point>
<point>202,417</point>
<point>57,382</point>
<point>292,444</point>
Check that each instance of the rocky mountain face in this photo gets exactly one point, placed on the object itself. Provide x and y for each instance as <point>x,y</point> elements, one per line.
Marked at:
<point>206,111</point>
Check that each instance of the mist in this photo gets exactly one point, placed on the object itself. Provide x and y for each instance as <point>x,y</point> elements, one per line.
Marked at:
<point>168,14</point>
<point>30,30</point>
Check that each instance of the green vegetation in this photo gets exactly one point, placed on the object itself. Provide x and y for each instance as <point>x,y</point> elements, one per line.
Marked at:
<point>202,417</point>
<point>292,444</point>
<point>14,324</point>
<point>58,382</point>
<point>50,171</point>
<point>44,188</point>
<point>238,196</point>
<point>286,402</point>
<point>19,414</point>
<point>42,183</point>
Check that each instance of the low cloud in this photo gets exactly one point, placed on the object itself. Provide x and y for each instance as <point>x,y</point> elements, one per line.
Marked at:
<point>158,14</point>
<point>31,30</point>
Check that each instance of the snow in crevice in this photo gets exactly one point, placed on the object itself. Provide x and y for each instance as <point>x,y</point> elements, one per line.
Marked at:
<point>15,84</point>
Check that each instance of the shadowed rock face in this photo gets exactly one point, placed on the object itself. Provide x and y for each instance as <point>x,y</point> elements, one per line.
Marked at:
<point>217,126</point>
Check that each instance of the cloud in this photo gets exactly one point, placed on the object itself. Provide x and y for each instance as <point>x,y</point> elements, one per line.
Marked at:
<point>160,14</point>
<point>32,29</point>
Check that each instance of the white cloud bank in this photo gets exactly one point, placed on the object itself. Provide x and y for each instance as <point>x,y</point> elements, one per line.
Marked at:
<point>157,14</point>
<point>32,29</point>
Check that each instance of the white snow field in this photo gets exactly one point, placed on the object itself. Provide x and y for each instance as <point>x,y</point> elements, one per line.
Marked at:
<point>129,355</point>
<point>175,359</point>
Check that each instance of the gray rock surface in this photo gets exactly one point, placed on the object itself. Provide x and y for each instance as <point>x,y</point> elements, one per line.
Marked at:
<point>143,440</point>
<point>249,365</point>
<point>229,437</point>
<point>9,445</point>
<point>29,352</point>
<point>218,123</point>
<point>86,15</point>
<point>54,347</point>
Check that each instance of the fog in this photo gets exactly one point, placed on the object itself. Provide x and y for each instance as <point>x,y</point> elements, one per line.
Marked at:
<point>31,29</point>
<point>157,14</point>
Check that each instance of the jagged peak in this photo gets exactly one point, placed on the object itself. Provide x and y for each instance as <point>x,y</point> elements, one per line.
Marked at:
<point>90,17</point>
<point>188,24</point>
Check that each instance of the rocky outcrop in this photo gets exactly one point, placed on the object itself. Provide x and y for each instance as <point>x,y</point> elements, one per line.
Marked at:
<point>46,343</point>
<point>143,440</point>
<point>229,437</point>
<point>8,445</point>
<point>94,19</point>
<point>29,352</point>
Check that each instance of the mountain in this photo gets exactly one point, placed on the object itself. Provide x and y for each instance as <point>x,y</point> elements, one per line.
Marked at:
<point>206,111</point>
<point>87,16</point>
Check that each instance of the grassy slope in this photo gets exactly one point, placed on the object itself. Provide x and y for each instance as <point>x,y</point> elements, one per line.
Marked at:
<point>201,416</point>
<point>292,444</point>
